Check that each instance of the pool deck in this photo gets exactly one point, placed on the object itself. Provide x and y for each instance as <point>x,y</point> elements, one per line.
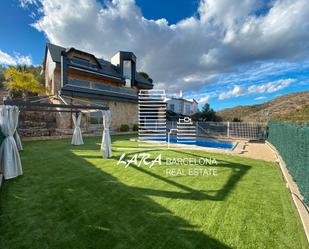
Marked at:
<point>255,150</point>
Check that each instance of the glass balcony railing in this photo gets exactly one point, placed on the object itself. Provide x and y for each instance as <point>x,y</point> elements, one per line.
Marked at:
<point>102,87</point>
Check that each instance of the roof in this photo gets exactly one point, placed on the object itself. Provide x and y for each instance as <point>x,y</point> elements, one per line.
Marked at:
<point>55,52</point>
<point>141,80</point>
<point>193,100</point>
<point>85,53</point>
<point>106,67</point>
<point>182,99</point>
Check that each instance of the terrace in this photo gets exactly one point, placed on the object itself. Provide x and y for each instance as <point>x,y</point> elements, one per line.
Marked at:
<point>82,88</point>
<point>69,197</point>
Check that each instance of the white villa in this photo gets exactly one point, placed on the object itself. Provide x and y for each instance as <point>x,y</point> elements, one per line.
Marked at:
<point>181,105</point>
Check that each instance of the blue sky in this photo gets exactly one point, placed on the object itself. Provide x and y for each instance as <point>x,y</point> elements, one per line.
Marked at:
<point>22,38</point>
<point>213,50</point>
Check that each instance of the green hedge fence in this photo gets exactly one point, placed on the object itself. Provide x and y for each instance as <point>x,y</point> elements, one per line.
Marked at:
<point>292,142</point>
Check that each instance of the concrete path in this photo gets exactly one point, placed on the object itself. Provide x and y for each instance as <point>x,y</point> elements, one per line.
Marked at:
<point>255,150</point>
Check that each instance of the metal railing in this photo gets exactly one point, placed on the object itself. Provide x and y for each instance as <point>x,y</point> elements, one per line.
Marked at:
<point>102,87</point>
<point>240,130</point>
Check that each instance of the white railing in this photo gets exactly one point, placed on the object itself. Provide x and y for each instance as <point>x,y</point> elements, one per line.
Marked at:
<point>251,131</point>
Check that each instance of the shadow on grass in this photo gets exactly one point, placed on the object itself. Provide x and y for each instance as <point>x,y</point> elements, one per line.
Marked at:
<point>238,171</point>
<point>69,203</point>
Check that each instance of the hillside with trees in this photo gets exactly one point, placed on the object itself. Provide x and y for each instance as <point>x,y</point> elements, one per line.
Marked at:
<point>293,107</point>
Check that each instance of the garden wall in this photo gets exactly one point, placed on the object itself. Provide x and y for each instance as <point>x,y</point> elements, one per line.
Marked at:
<point>292,142</point>
<point>36,124</point>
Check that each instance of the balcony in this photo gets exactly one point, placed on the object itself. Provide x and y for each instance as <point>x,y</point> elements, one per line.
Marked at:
<point>82,88</point>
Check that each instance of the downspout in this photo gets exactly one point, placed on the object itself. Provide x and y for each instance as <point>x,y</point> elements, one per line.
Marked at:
<point>64,70</point>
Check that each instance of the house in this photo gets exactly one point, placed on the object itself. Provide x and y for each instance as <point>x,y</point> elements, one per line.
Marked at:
<point>183,106</point>
<point>82,77</point>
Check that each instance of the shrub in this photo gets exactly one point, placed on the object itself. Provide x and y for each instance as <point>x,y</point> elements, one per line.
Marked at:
<point>236,120</point>
<point>135,127</point>
<point>124,127</point>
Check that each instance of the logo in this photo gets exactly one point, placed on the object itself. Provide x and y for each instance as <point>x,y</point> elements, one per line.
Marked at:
<point>153,130</point>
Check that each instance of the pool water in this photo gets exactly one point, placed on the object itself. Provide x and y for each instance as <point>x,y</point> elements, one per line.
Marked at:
<point>203,142</point>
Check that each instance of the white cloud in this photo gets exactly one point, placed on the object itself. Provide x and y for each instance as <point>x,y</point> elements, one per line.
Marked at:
<point>204,99</point>
<point>25,3</point>
<point>23,60</point>
<point>269,87</point>
<point>260,98</point>
<point>7,59</point>
<point>191,53</point>
<point>235,92</point>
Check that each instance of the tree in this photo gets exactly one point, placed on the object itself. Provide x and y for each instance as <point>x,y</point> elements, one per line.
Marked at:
<point>21,81</point>
<point>207,114</point>
<point>235,119</point>
<point>146,76</point>
<point>2,70</point>
<point>35,70</point>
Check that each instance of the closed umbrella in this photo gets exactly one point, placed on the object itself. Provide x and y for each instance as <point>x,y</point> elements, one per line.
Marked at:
<point>10,163</point>
<point>77,138</point>
<point>106,145</point>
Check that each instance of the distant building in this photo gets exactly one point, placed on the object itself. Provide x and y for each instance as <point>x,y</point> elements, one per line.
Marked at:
<point>181,105</point>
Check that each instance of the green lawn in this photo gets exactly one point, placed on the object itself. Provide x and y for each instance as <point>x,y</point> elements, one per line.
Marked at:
<point>69,197</point>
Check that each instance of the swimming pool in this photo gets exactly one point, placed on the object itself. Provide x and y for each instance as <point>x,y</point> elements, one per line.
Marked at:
<point>203,142</point>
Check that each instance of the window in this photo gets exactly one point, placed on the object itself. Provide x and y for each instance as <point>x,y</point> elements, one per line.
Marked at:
<point>172,107</point>
<point>96,118</point>
<point>80,59</point>
<point>83,62</point>
<point>188,109</point>
<point>127,73</point>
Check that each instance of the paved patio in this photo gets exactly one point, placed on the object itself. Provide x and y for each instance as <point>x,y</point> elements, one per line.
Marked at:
<point>255,150</point>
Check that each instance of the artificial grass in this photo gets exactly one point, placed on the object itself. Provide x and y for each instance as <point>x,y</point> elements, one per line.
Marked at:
<point>69,197</point>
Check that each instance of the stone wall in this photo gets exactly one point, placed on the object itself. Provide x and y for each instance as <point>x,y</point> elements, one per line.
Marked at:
<point>42,124</point>
<point>36,124</point>
<point>123,113</point>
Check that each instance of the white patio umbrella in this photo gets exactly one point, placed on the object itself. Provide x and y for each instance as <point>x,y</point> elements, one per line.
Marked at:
<point>77,138</point>
<point>10,162</point>
<point>106,145</point>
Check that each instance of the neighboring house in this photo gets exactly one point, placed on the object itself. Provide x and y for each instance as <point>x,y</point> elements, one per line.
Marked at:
<point>181,105</point>
<point>81,75</point>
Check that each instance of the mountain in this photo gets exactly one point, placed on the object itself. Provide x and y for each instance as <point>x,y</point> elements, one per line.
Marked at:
<point>293,107</point>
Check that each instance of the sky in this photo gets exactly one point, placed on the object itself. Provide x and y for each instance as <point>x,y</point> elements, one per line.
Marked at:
<point>224,52</point>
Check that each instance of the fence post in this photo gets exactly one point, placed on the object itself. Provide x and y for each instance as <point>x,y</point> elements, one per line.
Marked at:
<point>196,125</point>
<point>228,129</point>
